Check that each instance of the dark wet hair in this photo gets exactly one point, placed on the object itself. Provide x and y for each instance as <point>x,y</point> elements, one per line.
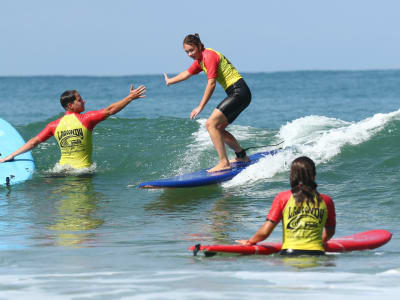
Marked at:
<point>68,97</point>
<point>302,176</point>
<point>194,40</point>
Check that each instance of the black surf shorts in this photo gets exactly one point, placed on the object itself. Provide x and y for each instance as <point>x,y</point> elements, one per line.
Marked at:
<point>239,97</point>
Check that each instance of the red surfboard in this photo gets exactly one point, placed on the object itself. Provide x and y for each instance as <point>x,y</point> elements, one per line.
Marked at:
<point>360,241</point>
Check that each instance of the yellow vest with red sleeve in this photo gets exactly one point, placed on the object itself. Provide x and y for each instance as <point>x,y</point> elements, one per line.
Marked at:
<point>75,142</point>
<point>227,73</point>
<point>303,225</point>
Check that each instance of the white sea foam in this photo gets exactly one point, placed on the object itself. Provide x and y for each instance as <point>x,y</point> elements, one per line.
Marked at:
<point>202,143</point>
<point>191,158</point>
<point>185,284</point>
<point>391,272</point>
<point>202,139</point>
<point>318,137</point>
<point>60,170</point>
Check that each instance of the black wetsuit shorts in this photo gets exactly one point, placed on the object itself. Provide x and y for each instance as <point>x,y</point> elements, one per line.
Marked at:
<point>239,97</point>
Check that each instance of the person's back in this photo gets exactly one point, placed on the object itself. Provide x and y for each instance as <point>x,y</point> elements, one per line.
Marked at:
<point>303,224</point>
<point>308,217</point>
<point>75,142</point>
<point>73,133</point>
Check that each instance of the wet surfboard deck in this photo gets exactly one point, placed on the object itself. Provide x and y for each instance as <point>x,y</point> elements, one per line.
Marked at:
<point>203,177</point>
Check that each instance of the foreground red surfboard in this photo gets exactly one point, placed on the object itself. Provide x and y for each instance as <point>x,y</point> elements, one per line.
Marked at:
<point>360,241</point>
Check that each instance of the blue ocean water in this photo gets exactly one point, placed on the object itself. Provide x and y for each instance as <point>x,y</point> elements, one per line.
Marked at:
<point>97,235</point>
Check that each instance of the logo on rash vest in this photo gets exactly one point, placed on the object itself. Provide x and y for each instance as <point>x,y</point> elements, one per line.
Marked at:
<point>296,214</point>
<point>70,138</point>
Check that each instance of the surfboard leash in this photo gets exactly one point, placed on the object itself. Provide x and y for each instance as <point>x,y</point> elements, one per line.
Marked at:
<point>255,147</point>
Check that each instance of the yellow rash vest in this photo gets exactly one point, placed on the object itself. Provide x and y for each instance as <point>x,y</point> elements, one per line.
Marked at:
<point>73,133</point>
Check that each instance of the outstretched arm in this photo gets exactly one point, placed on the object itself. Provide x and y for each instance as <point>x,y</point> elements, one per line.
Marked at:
<point>178,78</point>
<point>29,145</point>
<point>262,233</point>
<point>118,106</point>
<point>211,83</point>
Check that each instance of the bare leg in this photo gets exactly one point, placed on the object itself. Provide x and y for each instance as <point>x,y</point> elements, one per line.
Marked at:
<point>231,141</point>
<point>216,125</point>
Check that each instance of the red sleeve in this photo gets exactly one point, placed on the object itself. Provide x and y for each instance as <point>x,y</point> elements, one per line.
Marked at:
<point>211,61</point>
<point>331,219</point>
<point>92,118</point>
<point>279,203</point>
<point>48,131</point>
<point>195,68</point>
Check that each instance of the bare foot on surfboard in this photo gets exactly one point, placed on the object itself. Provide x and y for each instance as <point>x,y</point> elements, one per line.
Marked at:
<point>220,167</point>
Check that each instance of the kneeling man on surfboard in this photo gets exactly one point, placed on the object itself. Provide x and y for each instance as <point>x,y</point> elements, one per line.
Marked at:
<point>73,131</point>
<point>308,217</point>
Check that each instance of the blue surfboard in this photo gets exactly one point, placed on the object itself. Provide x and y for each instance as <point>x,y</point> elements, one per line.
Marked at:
<point>203,177</point>
<point>22,167</point>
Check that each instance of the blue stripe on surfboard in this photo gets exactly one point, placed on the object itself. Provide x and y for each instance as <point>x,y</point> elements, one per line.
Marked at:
<point>203,177</point>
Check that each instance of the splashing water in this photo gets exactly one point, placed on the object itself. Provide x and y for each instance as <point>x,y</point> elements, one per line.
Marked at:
<point>318,137</point>
<point>67,170</point>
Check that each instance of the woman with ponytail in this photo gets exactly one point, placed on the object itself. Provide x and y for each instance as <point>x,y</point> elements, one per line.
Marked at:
<point>218,69</point>
<point>308,217</point>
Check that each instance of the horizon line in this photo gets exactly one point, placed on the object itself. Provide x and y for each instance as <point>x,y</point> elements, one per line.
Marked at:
<point>245,72</point>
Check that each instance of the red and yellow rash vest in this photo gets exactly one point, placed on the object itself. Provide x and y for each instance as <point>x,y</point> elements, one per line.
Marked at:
<point>302,224</point>
<point>215,65</point>
<point>73,133</point>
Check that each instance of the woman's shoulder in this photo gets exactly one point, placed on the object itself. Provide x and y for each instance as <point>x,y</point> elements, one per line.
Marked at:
<point>284,195</point>
<point>327,199</point>
<point>324,196</point>
<point>209,53</point>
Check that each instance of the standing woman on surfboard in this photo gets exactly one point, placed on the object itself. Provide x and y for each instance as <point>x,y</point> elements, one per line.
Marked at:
<point>218,69</point>
<point>308,217</point>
